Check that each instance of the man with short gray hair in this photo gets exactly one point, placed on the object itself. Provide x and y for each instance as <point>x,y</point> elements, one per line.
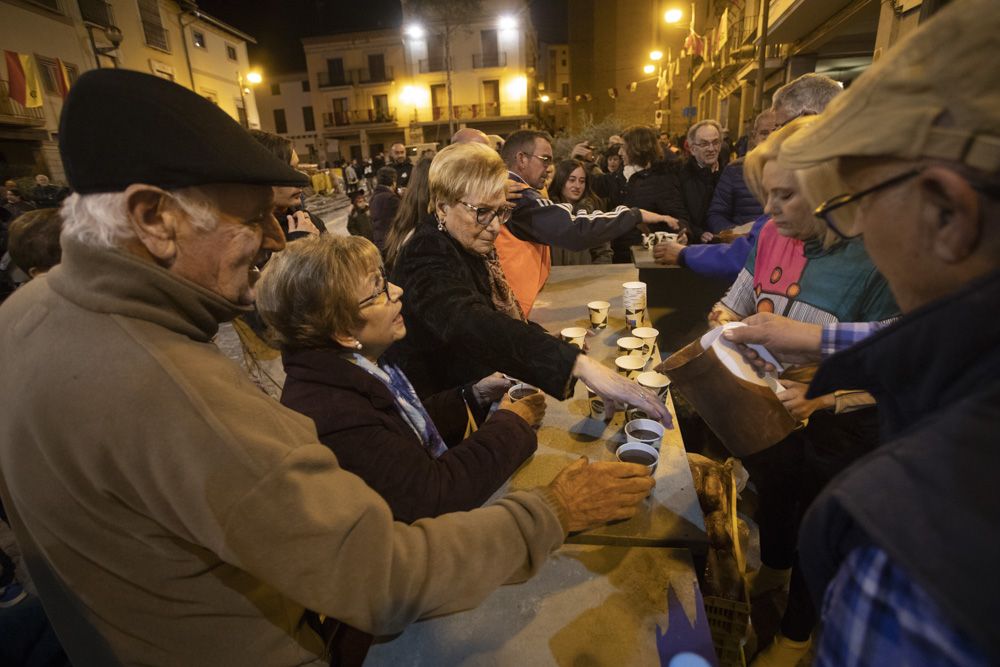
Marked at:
<point>807,95</point>
<point>699,174</point>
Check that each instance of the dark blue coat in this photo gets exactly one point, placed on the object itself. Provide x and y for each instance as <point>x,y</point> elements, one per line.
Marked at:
<point>732,204</point>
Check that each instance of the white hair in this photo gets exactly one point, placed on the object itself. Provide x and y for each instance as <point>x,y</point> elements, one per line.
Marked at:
<point>102,220</point>
<point>809,94</point>
<point>693,130</point>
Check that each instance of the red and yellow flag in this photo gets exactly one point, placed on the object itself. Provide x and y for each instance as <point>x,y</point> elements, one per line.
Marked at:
<point>22,76</point>
<point>62,78</point>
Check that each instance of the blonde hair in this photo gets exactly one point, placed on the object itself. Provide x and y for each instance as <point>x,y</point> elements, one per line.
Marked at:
<point>308,292</point>
<point>464,170</point>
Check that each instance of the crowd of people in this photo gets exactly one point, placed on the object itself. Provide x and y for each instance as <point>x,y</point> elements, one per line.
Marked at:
<point>176,508</point>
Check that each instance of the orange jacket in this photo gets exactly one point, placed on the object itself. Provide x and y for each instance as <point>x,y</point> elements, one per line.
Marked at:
<point>526,266</point>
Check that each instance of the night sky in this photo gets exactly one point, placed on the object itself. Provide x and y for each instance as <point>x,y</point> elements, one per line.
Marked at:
<point>279,25</point>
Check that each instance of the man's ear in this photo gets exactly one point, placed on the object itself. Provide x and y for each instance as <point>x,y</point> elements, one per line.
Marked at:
<point>955,215</point>
<point>154,222</point>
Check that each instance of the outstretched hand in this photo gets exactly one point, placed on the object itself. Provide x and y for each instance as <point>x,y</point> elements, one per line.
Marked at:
<point>790,341</point>
<point>591,494</point>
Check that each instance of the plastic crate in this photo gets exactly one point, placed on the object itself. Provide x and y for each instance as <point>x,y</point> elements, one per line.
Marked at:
<point>728,621</point>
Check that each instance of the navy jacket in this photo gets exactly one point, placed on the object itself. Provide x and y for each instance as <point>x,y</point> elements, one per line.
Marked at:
<point>732,204</point>
<point>722,260</point>
<point>927,497</point>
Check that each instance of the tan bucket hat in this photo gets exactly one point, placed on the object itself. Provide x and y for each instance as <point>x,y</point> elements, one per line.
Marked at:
<point>936,94</point>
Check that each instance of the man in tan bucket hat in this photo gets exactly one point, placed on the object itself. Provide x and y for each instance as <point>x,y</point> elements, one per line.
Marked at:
<point>900,549</point>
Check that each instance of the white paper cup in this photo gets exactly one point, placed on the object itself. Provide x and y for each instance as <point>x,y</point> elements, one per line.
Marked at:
<point>644,430</point>
<point>648,336</point>
<point>597,409</point>
<point>598,313</point>
<point>628,346</point>
<point>630,366</point>
<point>633,413</point>
<point>634,300</point>
<point>574,336</point>
<point>657,382</point>
<point>639,452</point>
<point>521,390</point>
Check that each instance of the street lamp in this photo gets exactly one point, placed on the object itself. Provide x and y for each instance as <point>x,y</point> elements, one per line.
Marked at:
<point>415,31</point>
<point>656,55</point>
<point>648,69</point>
<point>673,15</point>
<point>252,78</point>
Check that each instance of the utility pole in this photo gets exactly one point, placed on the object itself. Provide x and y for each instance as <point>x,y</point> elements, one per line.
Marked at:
<point>758,94</point>
<point>447,69</point>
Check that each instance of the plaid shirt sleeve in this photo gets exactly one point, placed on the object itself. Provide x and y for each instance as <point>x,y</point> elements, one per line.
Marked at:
<point>874,615</point>
<point>842,335</point>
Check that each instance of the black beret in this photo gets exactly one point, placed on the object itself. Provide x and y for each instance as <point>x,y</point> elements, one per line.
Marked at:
<point>120,127</point>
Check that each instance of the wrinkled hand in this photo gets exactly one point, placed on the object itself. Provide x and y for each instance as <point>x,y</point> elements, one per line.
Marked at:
<point>301,221</point>
<point>795,401</point>
<point>582,151</point>
<point>530,408</point>
<point>706,237</point>
<point>514,189</point>
<point>591,494</point>
<point>617,392</point>
<point>490,388</point>
<point>720,315</point>
<point>790,341</point>
<point>667,253</point>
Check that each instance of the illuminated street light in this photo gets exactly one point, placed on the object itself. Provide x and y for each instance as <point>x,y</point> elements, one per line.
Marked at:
<point>508,22</point>
<point>415,32</point>
<point>673,15</point>
<point>648,69</point>
<point>655,55</point>
<point>544,98</point>
<point>254,77</point>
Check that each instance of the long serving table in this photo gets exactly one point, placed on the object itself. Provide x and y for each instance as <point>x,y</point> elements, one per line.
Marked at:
<point>606,597</point>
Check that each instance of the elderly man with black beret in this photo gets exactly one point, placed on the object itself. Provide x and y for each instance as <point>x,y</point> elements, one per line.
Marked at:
<point>170,512</point>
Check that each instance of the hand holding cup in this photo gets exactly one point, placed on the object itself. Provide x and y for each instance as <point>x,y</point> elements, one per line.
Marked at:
<point>592,494</point>
<point>530,408</point>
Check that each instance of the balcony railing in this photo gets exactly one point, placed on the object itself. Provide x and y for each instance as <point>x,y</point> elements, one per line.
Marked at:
<point>12,113</point>
<point>372,76</point>
<point>480,60</point>
<point>432,65</point>
<point>467,111</point>
<point>331,80</point>
<point>359,117</point>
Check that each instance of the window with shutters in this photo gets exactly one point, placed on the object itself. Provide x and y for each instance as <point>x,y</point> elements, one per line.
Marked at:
<point>152,25</point>
<point>97,12</point>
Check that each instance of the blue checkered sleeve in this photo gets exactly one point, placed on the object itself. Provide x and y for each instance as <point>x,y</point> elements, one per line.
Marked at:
<point>842,335</point>
<point>874,615</point>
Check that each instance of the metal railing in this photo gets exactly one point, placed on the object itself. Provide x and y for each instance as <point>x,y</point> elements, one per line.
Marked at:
<point>331,80</point>
<point>12,113</point>
<point>498,59</point>
<point>467,111</point>
<point>359,117</point>
<point>432,65</point>
<point>372,76</point>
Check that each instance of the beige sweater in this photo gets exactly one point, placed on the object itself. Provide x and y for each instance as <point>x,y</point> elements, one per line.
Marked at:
<point>192,515</point>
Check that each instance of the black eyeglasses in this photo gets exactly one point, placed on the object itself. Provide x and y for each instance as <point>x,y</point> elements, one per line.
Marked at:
<point>376,298</point>
<point>485,214</point>
<point>827,209</point>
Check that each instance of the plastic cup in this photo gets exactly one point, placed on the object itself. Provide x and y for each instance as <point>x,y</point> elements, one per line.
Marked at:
<point>598,313</point>
<point>597,409</point>
<point>629,346</point>
<point>639,452</point>
<point>648,337</point>
<point>657,382</point>
<point>644,430</point>
<point>574,336</point>
<point>630,366</point>
<point>521,390</point>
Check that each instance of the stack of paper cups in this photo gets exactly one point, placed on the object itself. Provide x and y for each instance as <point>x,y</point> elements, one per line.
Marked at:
<point>634,299</point>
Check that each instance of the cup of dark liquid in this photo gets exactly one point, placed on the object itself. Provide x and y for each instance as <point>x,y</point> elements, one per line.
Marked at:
<point>645,430</point>
<point>519,391</point>
<point>639,452</point>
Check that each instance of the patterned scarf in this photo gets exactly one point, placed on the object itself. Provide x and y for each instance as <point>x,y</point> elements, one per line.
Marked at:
<point>410,408</point>
<point>500,292</point>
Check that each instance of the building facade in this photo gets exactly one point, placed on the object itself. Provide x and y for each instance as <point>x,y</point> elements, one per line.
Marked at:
<point>285,103</point>
<point>553,87</point>
<point>174,40</point>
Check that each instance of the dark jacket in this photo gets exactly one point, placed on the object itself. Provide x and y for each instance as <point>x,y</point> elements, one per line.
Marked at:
<point>539,220</point>
<point>383,206</point>
<point>927,496</point>
<point>697,188</point>
<point>403,170</point>
<point>359,223</point>
<point>732,204</point>
<point>357,418</point>
<point>655,189</point>
<point>455,334</point>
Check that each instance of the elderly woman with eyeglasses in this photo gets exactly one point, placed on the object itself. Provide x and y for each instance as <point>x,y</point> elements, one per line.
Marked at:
<point>795,270</point>
<point>335,314</point>
<point>463,320</point>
